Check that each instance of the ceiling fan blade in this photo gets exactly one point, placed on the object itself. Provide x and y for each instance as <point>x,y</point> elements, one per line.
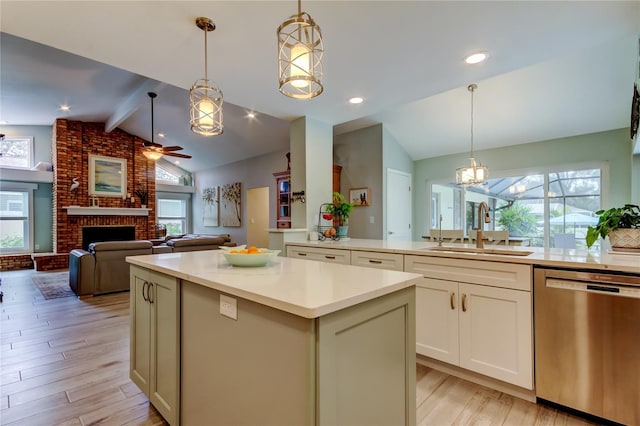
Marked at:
<point>172,148</point>
<point>175,154</point>
<point>150,144</point>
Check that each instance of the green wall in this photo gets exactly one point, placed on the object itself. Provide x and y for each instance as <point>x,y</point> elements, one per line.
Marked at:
<point>42,197</point>
<point>611,146</point>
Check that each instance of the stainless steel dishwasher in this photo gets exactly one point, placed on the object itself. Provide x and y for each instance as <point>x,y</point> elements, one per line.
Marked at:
<point>587,341</point>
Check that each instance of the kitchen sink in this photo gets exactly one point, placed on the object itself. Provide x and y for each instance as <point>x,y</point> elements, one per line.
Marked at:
<point>486,250</point>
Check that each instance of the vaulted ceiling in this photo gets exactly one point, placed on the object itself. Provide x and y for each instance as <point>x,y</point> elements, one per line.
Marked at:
<point>555,69</point>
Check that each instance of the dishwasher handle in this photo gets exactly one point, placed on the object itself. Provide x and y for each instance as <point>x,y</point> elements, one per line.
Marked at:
<point>611,290</point>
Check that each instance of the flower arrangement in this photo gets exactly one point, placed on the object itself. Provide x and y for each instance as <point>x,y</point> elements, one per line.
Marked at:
<point>143,194</point>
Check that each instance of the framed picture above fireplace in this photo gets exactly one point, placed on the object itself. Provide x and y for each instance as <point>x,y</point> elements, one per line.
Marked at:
<point>107,176</point>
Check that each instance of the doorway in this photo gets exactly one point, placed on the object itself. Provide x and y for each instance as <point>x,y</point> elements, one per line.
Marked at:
<point>258,216</point>
<point>398,206</point>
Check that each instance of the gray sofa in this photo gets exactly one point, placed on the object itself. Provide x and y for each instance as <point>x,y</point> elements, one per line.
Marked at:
<point>192,242</point>
<point>103,269</point>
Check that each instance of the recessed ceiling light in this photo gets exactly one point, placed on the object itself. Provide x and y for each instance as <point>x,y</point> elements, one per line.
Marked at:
<point>161,135</point>
<point>177,162</point>
<point>356,100</point>
<point>251,114</point>
<point>65,107</point>
<point>476,58</point>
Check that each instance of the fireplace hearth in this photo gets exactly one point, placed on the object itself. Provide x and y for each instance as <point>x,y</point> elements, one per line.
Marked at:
<point>94,234</point>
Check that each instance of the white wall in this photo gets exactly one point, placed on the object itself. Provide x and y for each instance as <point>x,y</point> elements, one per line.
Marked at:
<point>253,173</point>
<point>360,155</point>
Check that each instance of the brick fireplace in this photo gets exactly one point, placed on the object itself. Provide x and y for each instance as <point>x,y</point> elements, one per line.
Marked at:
<point>72,143</point>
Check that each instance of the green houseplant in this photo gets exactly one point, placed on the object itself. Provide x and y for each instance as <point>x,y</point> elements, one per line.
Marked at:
<point>621,224</point>
<point>341,210</point>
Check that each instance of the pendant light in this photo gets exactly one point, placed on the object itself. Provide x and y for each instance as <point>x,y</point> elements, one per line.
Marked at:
<point>300,56</point>
<point>149,151</point>
<point>475,173</point>
<point>205,100</point>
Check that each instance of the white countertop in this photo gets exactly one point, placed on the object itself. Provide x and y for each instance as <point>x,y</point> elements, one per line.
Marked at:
<point>566,258</point>
<point>304,288</point>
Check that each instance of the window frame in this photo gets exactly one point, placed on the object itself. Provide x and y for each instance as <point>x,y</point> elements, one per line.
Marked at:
<point>30,143</point>
<point>29,220</point>
<point>186,197</point>
<point>545,171</point>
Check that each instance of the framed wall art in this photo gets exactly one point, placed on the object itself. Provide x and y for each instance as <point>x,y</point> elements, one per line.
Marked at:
<point>107,176</point>
<point>211,200</point>
<point>359,197</point>
<point>230,208</point>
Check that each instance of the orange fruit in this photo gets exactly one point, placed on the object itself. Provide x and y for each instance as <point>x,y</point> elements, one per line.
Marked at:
<point>234,251</point>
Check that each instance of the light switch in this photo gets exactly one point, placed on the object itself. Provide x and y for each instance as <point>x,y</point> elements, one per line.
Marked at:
<point>370,219</point>
<point>228,307</point>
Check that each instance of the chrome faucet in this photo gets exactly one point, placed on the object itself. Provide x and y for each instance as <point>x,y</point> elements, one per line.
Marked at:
<point>487,219</point>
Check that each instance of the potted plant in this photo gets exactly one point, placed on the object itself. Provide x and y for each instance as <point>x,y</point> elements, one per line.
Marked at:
<point>621,224</point>
<point>143,194</point>
<point>341,210</point>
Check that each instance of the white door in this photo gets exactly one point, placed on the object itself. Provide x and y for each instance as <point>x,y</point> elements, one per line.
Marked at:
<point>398,205</point>
<point>258,216</point>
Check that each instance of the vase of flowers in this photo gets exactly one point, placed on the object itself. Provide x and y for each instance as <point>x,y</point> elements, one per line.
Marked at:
<point>143,194</point>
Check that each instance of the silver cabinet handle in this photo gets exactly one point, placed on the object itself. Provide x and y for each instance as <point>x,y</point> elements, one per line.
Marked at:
<point>144,296</point>
<point>302,254</point>
<point>452,300</point>
<point>150,288</point>
<point>464,303</point>
<point>377,262</point>
<point>329,257</point>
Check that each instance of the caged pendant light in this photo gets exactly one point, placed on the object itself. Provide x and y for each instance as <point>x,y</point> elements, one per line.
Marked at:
<point>475,173</point>
<point>300,56</point>
<point>205,100</point>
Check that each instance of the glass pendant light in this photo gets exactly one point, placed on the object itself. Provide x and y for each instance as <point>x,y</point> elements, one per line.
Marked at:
<point>206,100</point>
<point>475,173</point>
<point>300,56</point>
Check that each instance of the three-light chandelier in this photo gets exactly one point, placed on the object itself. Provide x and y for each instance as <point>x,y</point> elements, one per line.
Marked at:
<point>205,99</point>
<point>300,56</point>
<point>475,173</point>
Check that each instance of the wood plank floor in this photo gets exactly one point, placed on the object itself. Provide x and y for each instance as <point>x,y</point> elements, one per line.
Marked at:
<point>66,362</point>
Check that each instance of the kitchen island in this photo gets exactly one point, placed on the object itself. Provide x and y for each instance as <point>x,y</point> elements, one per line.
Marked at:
<point>293,342</point>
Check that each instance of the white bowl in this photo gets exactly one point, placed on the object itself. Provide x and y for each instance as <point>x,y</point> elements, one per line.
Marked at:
<point>257,259</point>
<point>227,249</point>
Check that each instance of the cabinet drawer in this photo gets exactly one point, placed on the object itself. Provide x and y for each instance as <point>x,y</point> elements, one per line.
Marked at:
<point>371,259</point>
<point>320,254</point>
<point>495,274</point>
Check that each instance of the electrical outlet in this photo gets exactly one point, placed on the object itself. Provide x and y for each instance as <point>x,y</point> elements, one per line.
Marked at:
<point>370,219</point>
<point>228,307</point>
<point>37,246</point>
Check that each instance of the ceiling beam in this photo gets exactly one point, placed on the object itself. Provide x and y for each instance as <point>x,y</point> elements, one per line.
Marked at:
<point>132,103</point>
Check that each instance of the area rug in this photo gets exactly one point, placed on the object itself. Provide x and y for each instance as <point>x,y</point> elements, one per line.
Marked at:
<point>53,285</point>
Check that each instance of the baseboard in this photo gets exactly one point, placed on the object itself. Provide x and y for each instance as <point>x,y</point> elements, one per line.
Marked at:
<point>522,393</point>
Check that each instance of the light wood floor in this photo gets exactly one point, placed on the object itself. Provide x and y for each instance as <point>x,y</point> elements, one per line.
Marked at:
<point>65,362</point>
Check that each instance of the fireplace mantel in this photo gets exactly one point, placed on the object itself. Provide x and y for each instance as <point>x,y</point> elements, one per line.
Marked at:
<point>105,211</point>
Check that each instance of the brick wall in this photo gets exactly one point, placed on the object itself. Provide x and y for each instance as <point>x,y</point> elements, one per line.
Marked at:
<point>14,262</point>
<point>73,142</point>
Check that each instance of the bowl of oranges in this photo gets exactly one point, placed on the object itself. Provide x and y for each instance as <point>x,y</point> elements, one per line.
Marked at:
<point>250,256</point>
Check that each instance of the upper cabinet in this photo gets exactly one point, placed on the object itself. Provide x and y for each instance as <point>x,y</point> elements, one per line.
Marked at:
<point>283,199</point>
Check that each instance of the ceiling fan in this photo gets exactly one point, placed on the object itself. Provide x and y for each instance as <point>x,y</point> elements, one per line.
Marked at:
<point>153,150</point>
